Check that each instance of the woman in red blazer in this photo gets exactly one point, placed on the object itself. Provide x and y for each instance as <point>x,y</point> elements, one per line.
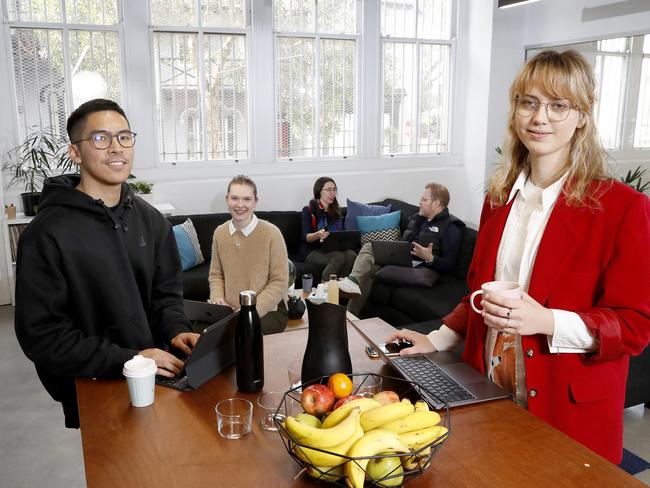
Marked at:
<point>577,242</point>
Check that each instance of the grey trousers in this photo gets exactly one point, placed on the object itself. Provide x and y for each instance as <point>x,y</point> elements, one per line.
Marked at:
<point>275,321</point>
<point>335,262</point>
<point>364,271</point>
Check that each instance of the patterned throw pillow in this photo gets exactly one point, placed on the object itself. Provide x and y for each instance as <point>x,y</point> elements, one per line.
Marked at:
<point>357,209</point>
<point>379,227</point>
<point>188,245</point>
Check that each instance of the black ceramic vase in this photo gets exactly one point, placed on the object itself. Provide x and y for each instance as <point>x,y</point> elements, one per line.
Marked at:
<point>327,345</point>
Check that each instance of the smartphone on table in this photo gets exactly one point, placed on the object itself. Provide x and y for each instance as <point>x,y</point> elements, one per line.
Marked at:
<point>390,349</point>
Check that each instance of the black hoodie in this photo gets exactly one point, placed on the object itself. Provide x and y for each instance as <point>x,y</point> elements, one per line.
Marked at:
<point>94,285</point>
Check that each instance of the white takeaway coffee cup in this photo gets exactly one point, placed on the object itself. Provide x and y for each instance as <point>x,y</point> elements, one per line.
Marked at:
<point>140,374</point>
<point>508,289</point>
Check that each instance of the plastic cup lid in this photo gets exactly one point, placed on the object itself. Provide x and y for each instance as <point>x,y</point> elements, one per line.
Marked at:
<point>139,366</point>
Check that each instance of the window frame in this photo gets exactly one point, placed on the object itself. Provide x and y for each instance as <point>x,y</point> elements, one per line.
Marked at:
<point>200,31</point>
<point>626,153</point>
<point>418,41</point>
<point>317,37</point>
<point>65,28</point>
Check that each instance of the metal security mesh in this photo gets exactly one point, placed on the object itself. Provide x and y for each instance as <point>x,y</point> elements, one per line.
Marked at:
<point>611,75</point>
<point>416,75</point>
<point>642,131</point>
<point>316,78</point>
<point>173,12</point>
<point>223,13</point>
<point>296,105</point>
<point>180,134</point>
<point>39,79</point>
<point>225,96</point>
<point>42,78</point>
<point>338,108</point>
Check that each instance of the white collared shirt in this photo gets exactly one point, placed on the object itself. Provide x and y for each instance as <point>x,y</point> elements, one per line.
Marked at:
<point>515,259</point>
<point>246,230</point>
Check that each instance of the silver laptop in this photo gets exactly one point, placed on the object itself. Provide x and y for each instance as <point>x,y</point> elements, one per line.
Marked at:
<point>212,353</point>
<point>443,378</point>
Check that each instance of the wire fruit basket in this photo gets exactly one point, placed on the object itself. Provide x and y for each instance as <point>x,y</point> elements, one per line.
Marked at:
<point>384,468</point>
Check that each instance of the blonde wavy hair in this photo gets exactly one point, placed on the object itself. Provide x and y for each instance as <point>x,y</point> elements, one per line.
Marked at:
<point>563,75</point>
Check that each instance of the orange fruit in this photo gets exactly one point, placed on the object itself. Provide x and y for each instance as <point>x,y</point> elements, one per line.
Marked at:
<point>340,384</point>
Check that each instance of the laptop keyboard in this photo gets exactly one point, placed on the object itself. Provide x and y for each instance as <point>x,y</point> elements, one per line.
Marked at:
<point>428,375</point>
<point>178,383</point>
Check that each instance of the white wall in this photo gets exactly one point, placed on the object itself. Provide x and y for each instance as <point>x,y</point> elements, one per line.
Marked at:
<point>545,23</point>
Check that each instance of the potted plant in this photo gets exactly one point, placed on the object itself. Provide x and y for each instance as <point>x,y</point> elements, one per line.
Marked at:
<point>37,157</point>
<point>634,178</point>
<point>143,189</point>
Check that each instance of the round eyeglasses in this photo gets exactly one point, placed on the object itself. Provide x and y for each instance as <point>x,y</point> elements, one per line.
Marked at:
<point>556,111</point>
<point>102,139</point>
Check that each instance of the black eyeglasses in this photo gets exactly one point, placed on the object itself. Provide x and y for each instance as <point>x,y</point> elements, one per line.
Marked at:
<point>556,111</point>
<point>102,139</point>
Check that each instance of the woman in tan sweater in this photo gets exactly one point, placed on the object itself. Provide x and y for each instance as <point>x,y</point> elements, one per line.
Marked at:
<point>249,254</point>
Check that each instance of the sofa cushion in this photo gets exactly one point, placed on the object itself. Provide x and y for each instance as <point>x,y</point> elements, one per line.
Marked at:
<point>356,209</point>
<point>406,208</point>
<point>380,227</point>
<point>420,277</point>
<point>289,224</point>
<point>195,283</point>
<point>188,245</point>
<point>205,225</point>
<point>467,244</point>
<point>428,303</point>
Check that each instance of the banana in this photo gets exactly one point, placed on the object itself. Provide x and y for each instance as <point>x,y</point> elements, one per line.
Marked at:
<point>381,415</point>
<point>369,445</point>
<point>413,421</point>
<point>323,438</point>
<point>410,463</point>
<point>421,406</point>
<point>330,458</point>
<point>420,438</point>
<point>340,413</point>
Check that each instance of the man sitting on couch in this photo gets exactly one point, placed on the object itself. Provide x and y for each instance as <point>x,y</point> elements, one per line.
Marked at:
<point>443,232</point>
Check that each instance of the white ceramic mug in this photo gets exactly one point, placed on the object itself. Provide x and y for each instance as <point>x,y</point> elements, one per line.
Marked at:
<point>508,289</point>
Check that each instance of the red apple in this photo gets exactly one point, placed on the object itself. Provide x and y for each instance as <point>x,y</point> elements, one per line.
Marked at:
<point>317,399</point>
<point>385,397</point>
<point>344,400</point>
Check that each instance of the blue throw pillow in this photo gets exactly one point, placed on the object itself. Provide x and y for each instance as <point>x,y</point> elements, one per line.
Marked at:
<point>355,209</point>
<point>380,227</point>
<point>188,245</point>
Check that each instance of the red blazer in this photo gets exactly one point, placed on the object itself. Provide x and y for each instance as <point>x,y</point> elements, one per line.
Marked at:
<point>592,262</point>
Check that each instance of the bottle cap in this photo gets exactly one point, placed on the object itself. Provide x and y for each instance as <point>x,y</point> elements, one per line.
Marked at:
<point>139,366</point>
<point>247,297</point>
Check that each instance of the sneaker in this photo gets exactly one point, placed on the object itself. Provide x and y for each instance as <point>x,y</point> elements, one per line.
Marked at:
<point>349,288</point>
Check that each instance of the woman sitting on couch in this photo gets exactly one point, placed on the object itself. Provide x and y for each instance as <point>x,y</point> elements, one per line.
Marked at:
<point>249,254</point>
<point>321,217</point>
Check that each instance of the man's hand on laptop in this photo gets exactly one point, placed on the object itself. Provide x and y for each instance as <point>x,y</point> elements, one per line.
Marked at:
<point>185,342</point>
<point>421,344</point>
<point>168,364</point>
<point>424,253</point>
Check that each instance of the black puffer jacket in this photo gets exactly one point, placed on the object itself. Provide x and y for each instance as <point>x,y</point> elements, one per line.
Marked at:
<point>94,286</point>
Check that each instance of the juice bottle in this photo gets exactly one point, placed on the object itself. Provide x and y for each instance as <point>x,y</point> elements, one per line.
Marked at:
<point>333,290</point>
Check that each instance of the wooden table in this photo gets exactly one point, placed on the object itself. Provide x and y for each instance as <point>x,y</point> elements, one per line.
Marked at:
<point>174,442</point>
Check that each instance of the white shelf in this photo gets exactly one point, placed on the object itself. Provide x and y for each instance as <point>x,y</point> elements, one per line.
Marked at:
<point>11,246</point>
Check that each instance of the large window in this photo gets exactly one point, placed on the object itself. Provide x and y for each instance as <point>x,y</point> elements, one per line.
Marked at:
<point>201,81</point>
<point>64,53</point>
<point>417,55</point>
<point>316,78</point>
<point>622,67</point>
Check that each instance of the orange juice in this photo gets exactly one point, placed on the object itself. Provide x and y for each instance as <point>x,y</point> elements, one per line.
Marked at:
<point>333,290</point>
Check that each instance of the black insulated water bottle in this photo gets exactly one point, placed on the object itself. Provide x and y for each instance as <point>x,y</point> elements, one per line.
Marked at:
<point>249,346</point>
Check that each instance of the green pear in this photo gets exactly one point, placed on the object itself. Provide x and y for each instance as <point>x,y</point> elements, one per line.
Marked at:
<point>387,466</point>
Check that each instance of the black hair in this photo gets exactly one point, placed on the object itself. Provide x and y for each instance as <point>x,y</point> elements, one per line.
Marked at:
<point>79,115</point>
<point>333,211</point>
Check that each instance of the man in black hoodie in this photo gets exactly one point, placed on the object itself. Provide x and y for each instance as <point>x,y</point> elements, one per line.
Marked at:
<point>98,277</point>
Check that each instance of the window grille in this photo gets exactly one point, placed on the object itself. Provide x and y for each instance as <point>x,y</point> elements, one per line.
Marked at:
<point>60,63</point>
<point>316,78</point>
<point>201,79</point>
<point>417,58</point>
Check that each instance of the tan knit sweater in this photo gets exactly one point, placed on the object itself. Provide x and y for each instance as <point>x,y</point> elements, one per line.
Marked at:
<point>258,262</point>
